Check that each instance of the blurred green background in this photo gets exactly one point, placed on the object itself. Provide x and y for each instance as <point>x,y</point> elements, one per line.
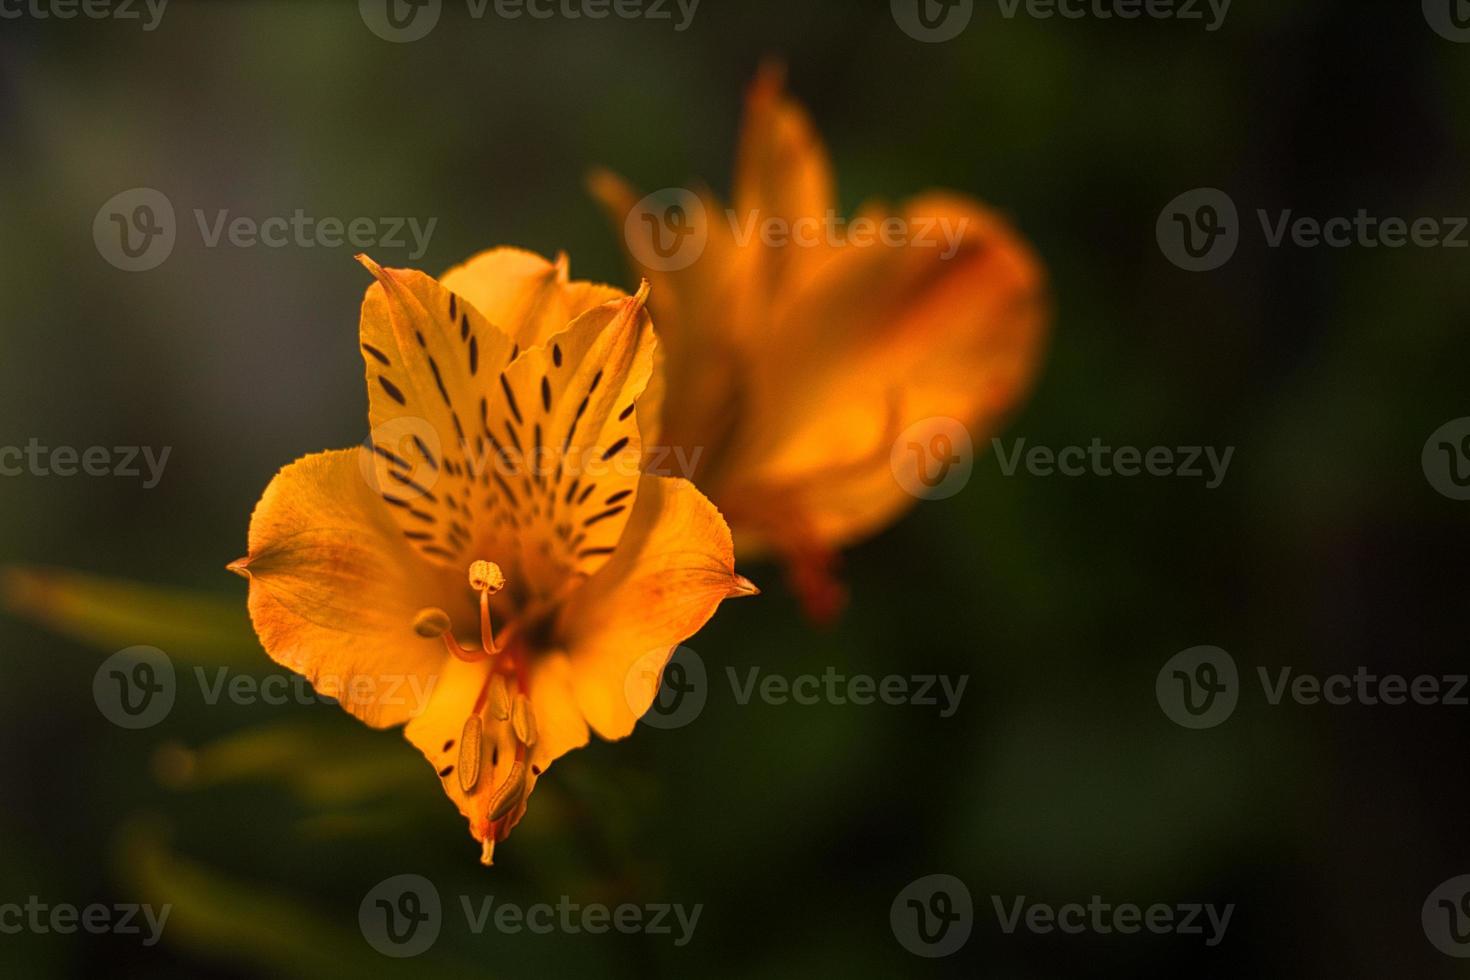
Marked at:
<point>794,826</point>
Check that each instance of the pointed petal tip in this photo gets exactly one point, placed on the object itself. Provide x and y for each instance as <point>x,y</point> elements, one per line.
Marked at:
<point>367,263</point>
<point>240,566</point>
<point>743,586</point>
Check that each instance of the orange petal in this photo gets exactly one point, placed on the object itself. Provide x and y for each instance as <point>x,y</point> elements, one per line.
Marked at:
<point>693,309</point>
<point>571,406</point>
<point>438,732</point>
<point>672,568</point>
<point>432,361</point>
<point>523,294</point>
<point>334,589</point>
<point>880,338</point>
<point>781,166</point>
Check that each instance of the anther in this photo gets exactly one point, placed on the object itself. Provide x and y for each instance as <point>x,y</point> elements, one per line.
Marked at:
<point>431,623</point>
<point>499,698</point>
<point>469,754</point>
<point>486,577</point>
<point>523,720</point>
<point>508,794</point>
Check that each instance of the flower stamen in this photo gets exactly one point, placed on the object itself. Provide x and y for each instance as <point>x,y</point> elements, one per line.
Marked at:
<point>487,579</point>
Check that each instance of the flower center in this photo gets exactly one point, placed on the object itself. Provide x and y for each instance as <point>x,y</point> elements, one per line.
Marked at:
<point>503,695</point>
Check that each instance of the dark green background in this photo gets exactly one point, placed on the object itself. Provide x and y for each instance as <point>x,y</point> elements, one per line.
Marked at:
<point>1060,777</point>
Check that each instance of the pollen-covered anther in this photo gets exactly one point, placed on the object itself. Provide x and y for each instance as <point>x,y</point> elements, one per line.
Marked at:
<point>508,793</point>
<point>523,720</point>
<point>499,698</point>
<point>486,577</point>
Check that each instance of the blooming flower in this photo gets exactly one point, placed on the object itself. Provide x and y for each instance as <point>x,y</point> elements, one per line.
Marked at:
<point>800,346</point>
<point>492,568</point>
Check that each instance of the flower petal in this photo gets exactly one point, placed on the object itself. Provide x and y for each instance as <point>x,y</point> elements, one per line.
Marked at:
<point>571,405</point>
<point>673,566</point>
<point>781,167</point>
<point>693,311</point>
<point>880,338</point>
<point>432,360</point>
<point>523,294</point>
<point>334,588</point>
<point>438,733</point>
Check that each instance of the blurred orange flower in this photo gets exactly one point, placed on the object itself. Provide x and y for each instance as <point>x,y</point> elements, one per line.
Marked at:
<point>501,485</point>
<point>800,345</point>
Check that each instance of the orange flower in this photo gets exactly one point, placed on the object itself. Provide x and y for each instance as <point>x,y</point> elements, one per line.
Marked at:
<point>500,495</point>
<point>800,346</point>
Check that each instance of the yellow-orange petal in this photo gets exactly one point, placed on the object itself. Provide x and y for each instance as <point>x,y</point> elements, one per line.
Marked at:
<point>335,590</point>
<point>523,294</point>
<point>431,361</point>
<point>673,567</point>
<point>574,409</point>
<point>781,165</point>
<point>437,733</point>
<point>878,339</point>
